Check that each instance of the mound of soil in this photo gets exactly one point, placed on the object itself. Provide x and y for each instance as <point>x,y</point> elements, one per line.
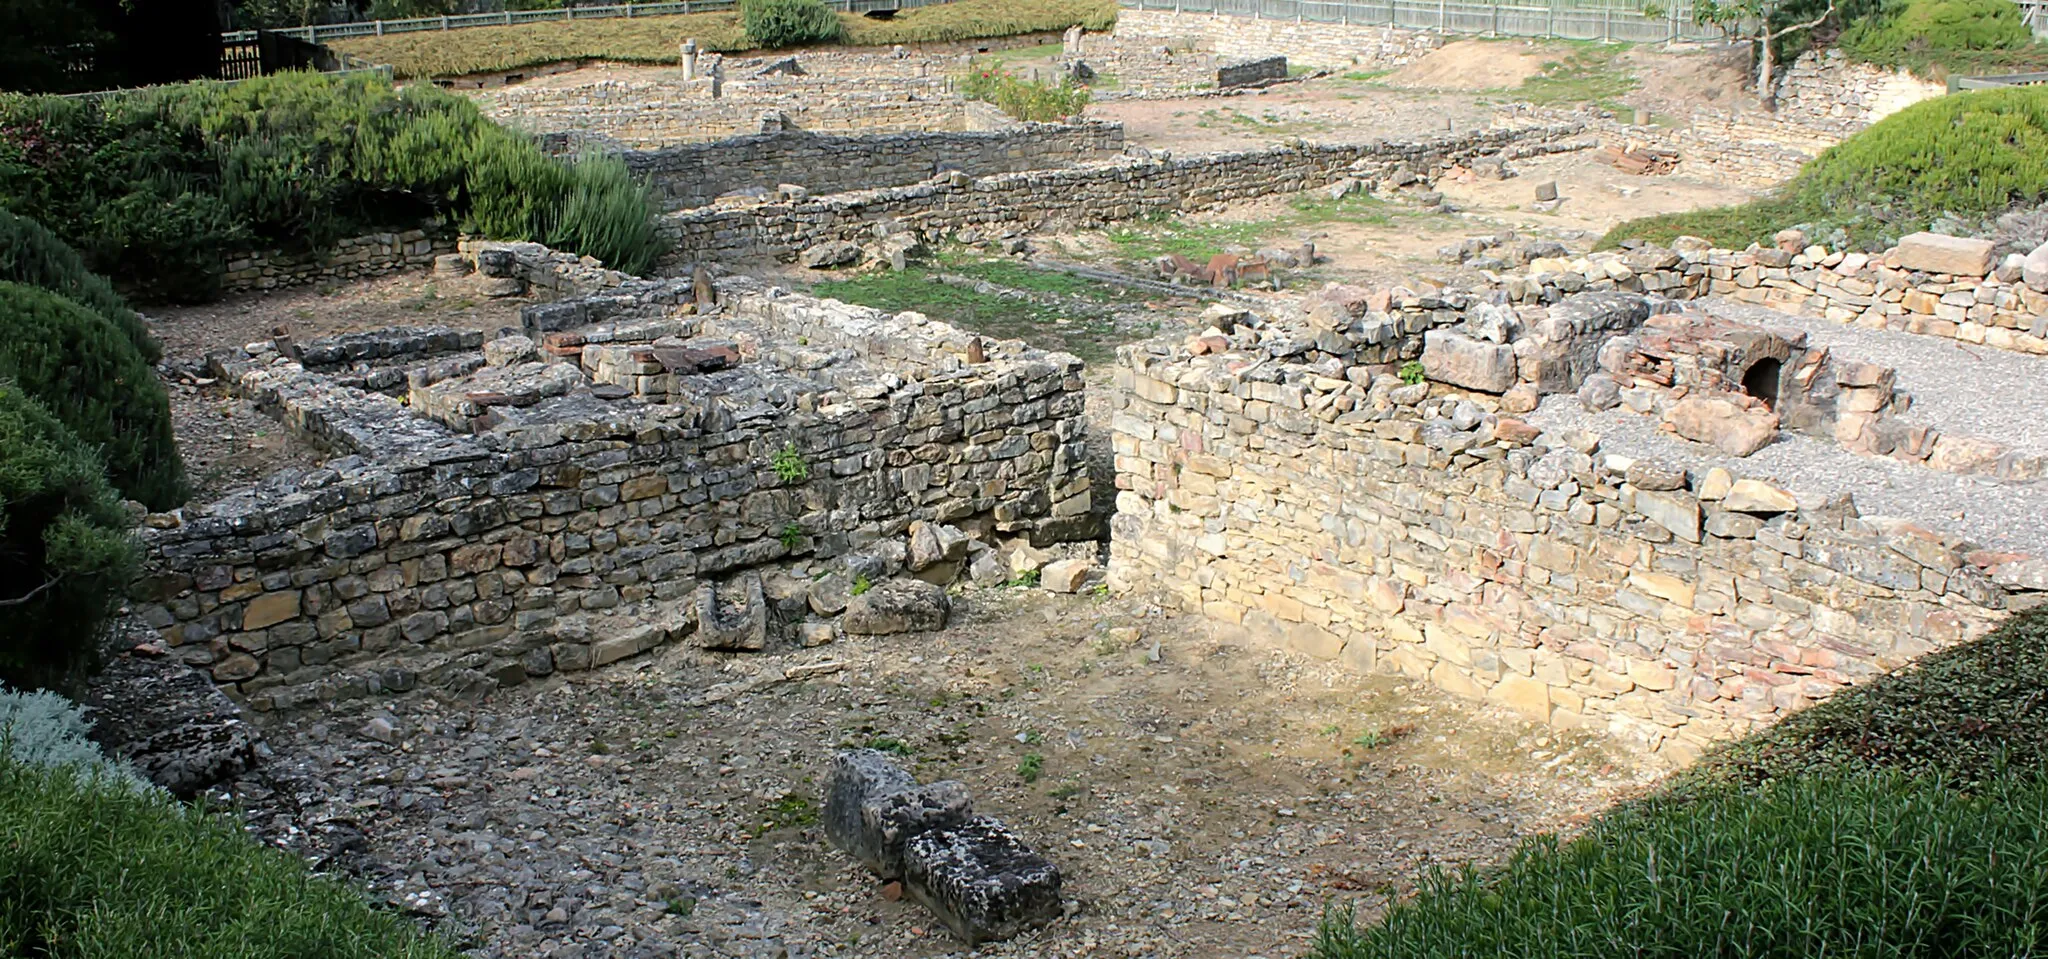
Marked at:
<point>1473,65</point>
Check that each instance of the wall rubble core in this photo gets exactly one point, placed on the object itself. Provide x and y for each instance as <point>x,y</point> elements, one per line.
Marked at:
<point>1300,496</point>
<point>431,555</point>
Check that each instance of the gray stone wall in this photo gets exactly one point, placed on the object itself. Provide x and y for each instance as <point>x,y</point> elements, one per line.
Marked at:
<point>1087,195</point>
<point>428,555</point>
<point>351,259</point>
<point>1417,530</point>
<point>648,114</point>
<point>693,175</point>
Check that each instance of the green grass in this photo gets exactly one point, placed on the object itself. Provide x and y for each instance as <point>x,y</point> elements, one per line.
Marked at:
<point>1089,330</point>
<point>1199,241</point>
<point>1590,73</point>
<point>789,812</point>
<point>90,871</point>
<point>1904,818</point>
<point>435,53</point>
<point>1973,155</point>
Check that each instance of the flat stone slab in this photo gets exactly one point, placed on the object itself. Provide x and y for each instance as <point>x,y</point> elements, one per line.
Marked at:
<point>981,880</point>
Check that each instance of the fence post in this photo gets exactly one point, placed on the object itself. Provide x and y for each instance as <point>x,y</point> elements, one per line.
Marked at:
<point>1443,20</point>
<point>380,28</point>
<point>444,23</point>
<point>1550,27</point>
<point>508,18</point>
<point>309,36</point>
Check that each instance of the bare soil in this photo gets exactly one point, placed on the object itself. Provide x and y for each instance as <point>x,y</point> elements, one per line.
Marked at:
<point>1328,110</point>
<point>227,442</point>
<point>1201,799</point>
<point>1474,65</point>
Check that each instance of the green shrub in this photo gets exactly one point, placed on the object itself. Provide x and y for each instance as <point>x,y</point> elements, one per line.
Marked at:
<point>65,554</point>
<point>1027,100</point>
<point>31,254</point>
<point>93,872</point>
<point>85,371</point>
<point>45,729</point>
<point>1921,32</point>
<point>157,187</point>
<point>1860,865</point>
<point>605,209</point>
<point>1974,155</point>
<point>789,23</point>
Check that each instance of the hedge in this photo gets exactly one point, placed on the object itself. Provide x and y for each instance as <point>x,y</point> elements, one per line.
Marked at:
<point>65,554</point>
<point>31,254</point>
<point>1973,155</point>
<point>789,23</point>
<point>85,371</point>
<point>90,870</point>
<point>158,187</point>
<point>1907,817</point>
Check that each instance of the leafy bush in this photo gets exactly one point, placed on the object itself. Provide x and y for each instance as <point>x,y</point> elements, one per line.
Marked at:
<point>45,729</point>
<point>158,186</point>
<point>1974,154</point>
<point>85,371</point>
<point>789,23</point>
<point>1859,865</point>
<point>93,872</point>
<point>1919,33</point>
<point>65,554</point>
<point>31,254</point>
<point>433,53</point>
<point>1027,100</point>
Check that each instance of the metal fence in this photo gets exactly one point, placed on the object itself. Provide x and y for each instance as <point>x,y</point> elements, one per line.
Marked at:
<point>1559,19</point>
<point>378,28</point>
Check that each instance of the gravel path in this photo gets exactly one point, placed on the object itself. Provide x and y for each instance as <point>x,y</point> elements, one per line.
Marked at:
<point>1987,513</point>
<point>1977,391</point>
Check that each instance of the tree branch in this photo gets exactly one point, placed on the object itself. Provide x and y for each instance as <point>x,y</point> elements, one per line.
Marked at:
<point>31,594</point>
<point>1808,25</point>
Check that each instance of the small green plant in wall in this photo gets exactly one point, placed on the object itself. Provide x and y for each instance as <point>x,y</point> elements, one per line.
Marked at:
<point>1411,372</point>
<point>793,536</point>
<point>861,585</point>
<point>789,465</point>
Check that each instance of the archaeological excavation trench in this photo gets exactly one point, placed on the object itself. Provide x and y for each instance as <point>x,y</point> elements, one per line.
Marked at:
<point>696,614</point>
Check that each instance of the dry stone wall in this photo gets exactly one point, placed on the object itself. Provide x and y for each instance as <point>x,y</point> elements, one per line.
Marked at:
<point>694,175</point>
<point>1310,44</point>
<point>649,114</point>
<point>351,259</point>
<point>428,555</point>
<point>1092,194</point>
<point>1318,506</point>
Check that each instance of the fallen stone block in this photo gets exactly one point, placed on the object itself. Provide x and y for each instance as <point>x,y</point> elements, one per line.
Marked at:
<point>1936,253</point>
<point>873,809</point>
<point>2034,269</point>
<point>896,606</point>
<point>826,256</point>
<point>981,880</point>
<point>1722,423</point>
<point>1756,496</point>
<point>733,617</point>
<point>1066,575</point>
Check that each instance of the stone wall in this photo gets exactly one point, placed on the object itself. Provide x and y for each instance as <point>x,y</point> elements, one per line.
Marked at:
<point>1087,195</point>
<point>1993,305</point>
<point>434,556</point>
<point>696,174</point>
<point>1311,44</point>
<point>351,259</point>
<point>1344,515</point>
<point>640,113</point>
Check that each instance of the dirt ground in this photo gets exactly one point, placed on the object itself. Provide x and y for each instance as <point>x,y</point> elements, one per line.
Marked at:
<point>226,441</point>
<point>1201,799</point>
<point>1328,110</point>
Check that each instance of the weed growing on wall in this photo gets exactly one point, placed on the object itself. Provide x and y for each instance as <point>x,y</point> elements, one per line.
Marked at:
<point>1027,100</point>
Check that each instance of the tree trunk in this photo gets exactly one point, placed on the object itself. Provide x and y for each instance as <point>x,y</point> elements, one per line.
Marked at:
<point>1766,91</point>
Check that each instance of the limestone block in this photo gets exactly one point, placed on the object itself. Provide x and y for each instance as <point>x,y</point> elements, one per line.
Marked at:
<point>733,616</point>
<point>873,808</point>
<point>2034,269</point>
<point>1756,496</point>
<point>1459,360</point>
<point>1066,575</point>
<point>982,880</point>
<point>1674,511</point>
<point>1937,253</point>
<point>897,606</point>
<point>1719,421</point>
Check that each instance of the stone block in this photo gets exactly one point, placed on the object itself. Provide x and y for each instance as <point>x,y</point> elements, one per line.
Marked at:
<point>1723,423</point>
<point>1674,511</point>
<point>270,609</point>
<point>1937,253</point>
<point>1066,575</point>
<point>982,881</point>
<point>896,606</point>
<point>733,616</point>
<point>1457,359</point>
<point>632,642</point>
<point>1756,496</point>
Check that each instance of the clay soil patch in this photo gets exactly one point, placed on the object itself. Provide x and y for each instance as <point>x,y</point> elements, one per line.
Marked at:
<point>1474,65</point>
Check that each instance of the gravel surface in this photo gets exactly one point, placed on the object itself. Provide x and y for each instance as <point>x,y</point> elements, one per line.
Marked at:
<point>1986,512</point>
<point>1201,799</point>
<point>1978,391</point>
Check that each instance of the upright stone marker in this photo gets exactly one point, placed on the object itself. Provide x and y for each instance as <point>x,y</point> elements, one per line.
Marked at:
<point>689,60</point>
